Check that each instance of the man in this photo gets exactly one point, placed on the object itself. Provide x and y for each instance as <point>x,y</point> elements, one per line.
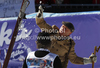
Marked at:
<point>42,58</point>
<point>62,44</point>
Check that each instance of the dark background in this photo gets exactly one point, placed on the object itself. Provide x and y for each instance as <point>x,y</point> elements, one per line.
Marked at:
<point>69,5</point>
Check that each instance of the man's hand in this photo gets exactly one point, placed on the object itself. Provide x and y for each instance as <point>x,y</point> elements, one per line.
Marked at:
<point>92,58</point>
<point>40,12</point>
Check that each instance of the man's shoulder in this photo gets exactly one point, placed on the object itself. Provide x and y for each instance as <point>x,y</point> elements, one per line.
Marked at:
<point>55,27</point>
<point>52,54</point>
<point>30,53</point>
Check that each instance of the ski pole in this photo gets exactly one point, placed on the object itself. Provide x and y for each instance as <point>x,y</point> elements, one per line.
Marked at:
<point>18,23</point>
<point>95,50</point>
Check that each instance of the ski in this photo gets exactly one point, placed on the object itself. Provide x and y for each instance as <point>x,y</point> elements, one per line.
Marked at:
<point>21,16</point>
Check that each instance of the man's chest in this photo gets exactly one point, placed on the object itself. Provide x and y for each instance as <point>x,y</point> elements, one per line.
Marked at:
<point>60,47</point>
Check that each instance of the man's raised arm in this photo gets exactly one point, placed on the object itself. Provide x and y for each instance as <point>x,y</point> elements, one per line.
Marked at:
<point>40,20</point>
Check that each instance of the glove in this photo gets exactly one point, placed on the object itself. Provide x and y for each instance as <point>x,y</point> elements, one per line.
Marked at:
<point>40,12</point>
<point>92,58</point>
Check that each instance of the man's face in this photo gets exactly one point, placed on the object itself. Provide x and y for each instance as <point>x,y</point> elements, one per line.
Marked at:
<point>64,31</point>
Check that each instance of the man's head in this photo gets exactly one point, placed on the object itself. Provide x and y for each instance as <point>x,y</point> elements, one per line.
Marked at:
<point>43,40</point>
<point>66,29</point>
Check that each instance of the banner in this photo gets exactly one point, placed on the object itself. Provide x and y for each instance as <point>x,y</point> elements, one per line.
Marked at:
<point>11,8</point>
<point>86,36</point>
